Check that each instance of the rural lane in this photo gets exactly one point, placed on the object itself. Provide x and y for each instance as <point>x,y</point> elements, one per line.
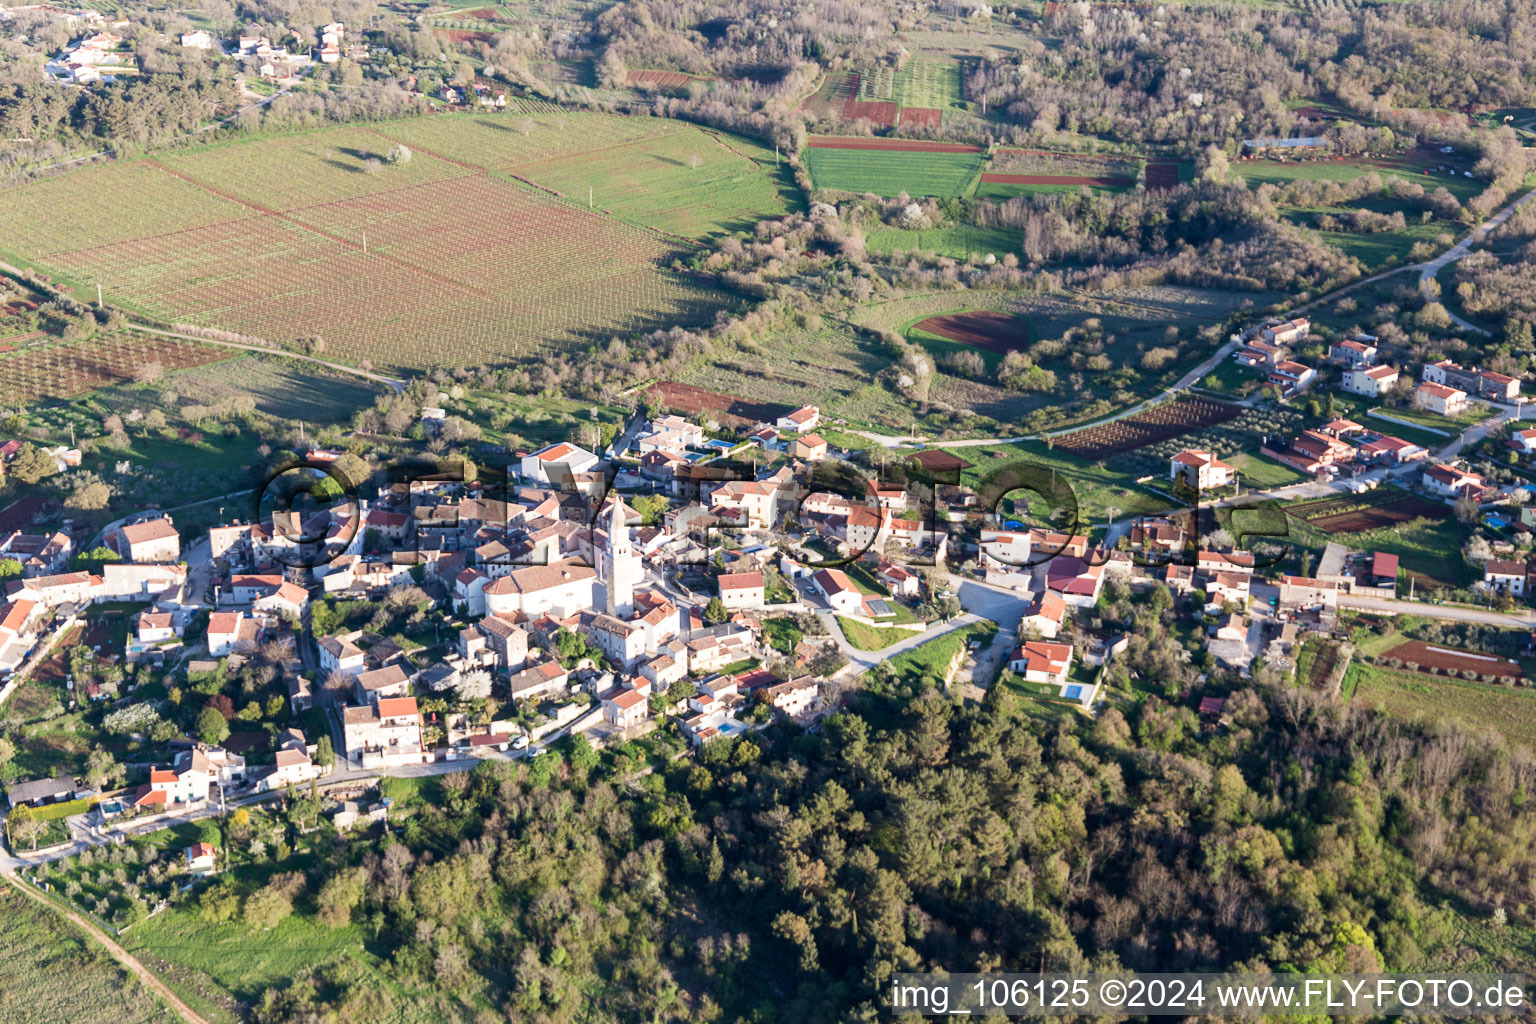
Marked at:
<point>1454,613</point>
<point>1430,268</point>
<point>118,953</point>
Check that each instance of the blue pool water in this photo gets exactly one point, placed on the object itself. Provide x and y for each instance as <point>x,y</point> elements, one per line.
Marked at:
<point>1073,692</point>
<point>1497,522</point>
<point>1013,524</point>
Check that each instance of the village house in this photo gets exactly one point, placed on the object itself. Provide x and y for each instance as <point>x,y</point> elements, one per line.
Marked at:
<point>1504,577</point>
<point>1230,627</point>
<point>39,554</point>
<point>1446,401</point>
<point>200,859</point>
<point>840,593</point>
<point>811,448</point>
<point>151,627</point>
<point>626,708</point>
<point>1257,352</point>
<point>381,684</point>
<point>1352,353</point>
<point>801,420</point>
<point>793,696</point>
<point>228,631</point>
<point>1482,383</point>
<point>1287,333</point>
<point>1223,588</point>
<point>555,463</point>
<point>899,580</point>
<point>1449,482</point>
<point>1076,581</point>
<point>1201,470</point>
<point>386,734</point>
<point>1371,381</point>
<point>1045,615</point>
<point>741,590</point>
<point>1524,440</point>
<point>1291,377</point>
<point>1385,448</point>
<point>537,681</point>
<point>153,540</point>
<point>1041,662</point>
<point>341,654</point>
<point>1308,592</point>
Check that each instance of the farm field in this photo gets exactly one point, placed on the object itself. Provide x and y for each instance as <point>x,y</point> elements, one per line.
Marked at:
<point>927,82</point>
<point>653,182</point>
<point>958,241</point>
<point>1441,660</point>
<point>730,409</point>
<point>428,261</point>
<point>1420,532</point>
<point>1027,171</point>
<point>55,975</point>
<point>1167,421</point>
<point>69,369</point>
<point>1408,695</point>
<point>1362,513</point>
<point>103,205</point>
<point>988,330</point>
<point>888,172</point>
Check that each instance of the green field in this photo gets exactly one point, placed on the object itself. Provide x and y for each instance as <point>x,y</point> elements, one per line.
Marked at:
<point>871,638</point>
<point>689,182</point>
<point>957,241</point>
<point>1410,695</point>
<point>1098,488</point>
<point>1259,471</point>
<point>52,974</point>
<point>888,173</point>
<point>934,84</point>
<point>931,658</point>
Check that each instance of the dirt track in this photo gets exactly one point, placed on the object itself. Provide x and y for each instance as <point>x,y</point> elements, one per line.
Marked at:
<point>121,955</point>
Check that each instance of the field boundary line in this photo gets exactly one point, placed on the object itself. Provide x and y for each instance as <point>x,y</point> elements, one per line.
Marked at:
<point>124,958</point>
<point>394,383</point>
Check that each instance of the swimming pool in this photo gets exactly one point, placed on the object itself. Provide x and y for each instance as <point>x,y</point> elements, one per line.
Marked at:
<point>1073,693</point>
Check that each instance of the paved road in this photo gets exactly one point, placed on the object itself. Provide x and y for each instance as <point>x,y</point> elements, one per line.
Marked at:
<point>1430,268</point>
<point>121,955</point>
<point>1454,613</point>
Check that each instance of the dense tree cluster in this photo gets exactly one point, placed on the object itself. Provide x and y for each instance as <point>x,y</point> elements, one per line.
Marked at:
<point>1204,73</point>
<point>786,878</point>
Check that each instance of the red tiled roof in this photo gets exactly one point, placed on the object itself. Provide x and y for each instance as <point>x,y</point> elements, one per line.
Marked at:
<point>392,707</point>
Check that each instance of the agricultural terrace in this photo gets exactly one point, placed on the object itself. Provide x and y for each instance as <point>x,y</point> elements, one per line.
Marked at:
<point>1174,419</point>
<point>69,369</point>
<point>987,330</point>
<point>55,975</point>
<point>433,260</point>
<point>889,167</point>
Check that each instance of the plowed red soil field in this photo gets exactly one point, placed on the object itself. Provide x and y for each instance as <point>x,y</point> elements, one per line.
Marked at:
<point>1443,660</point>
<point>1361,514</point>
<point>660,79</point>
<point>728,409</point>
<point>983,329</point>
<point>891,145</point>
<point>1164,175</point>
<point>881,112</point>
